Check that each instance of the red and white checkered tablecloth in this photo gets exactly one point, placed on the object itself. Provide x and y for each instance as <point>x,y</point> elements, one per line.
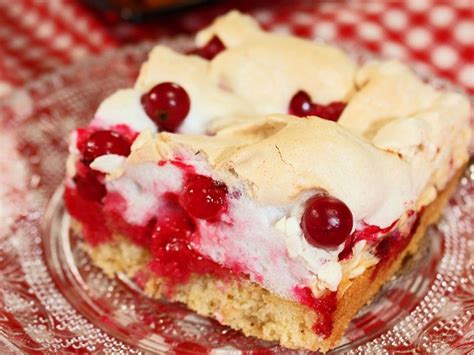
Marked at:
<point>38,36</point>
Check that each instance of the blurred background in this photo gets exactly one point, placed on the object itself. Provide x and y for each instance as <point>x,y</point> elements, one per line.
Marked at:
<point>38,36</point>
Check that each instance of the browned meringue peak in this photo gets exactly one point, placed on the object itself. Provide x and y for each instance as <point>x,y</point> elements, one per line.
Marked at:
<point>208,100</point>
<point>386,91</point>
<point>426,131</point>
<point>165,64</point>
<point>232,29</point>
<point>278,157</point>
<point>268,69</point>
<point>397,112</point>
<point>260,75</point>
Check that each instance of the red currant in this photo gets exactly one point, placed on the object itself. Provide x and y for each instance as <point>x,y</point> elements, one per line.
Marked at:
<point>211,49</point>
<point>104,142</point>
<point>326,221</point>
<point>167,104</point>
<point>90,187</point>
<point>204,197</point>
<point>302,106</point>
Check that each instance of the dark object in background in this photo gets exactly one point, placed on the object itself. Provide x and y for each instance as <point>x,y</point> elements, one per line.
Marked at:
<point>140,10</point>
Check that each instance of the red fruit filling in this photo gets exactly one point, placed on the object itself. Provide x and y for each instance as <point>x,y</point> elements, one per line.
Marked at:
<point>387,248</point>
<point>302,106</point>
<point>90,214</point>
<point>167,104</point>
<point>82,134</point>
<point>203,197</point>
<point>168,235</point>
<point>326,221</point>
<point>211,49</point>
<point>369,233</point>
<point>114,207</point>
<point>103,142</point>
<point>90,185</point>
<point>324,307</point>
<point>171,246</point>
<point>393,244</point>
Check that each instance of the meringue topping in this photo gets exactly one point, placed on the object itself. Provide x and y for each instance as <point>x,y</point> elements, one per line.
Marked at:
<point>232,84</point>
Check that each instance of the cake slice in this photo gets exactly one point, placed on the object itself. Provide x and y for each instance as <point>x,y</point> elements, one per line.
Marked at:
<point>309,191</point>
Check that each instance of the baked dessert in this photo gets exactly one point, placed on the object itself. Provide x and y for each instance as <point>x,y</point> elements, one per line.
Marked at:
<point>265,181</point>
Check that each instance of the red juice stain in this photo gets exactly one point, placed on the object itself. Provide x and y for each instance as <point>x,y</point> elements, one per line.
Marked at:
<point>324,307</point>
<point>179,163</point>
<point>188,347</point>
<point>392,245</point>
<point>138,331</point>
<point>370,233</point>
<point>259,352</point>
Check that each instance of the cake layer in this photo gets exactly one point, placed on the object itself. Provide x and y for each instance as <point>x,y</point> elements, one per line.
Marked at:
<point>247,306</point>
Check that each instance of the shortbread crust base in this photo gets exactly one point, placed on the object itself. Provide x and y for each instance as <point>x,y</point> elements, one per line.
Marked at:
<point>255,311</point>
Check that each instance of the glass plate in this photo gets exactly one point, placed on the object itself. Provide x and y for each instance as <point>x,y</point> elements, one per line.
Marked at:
<point>53,300</point>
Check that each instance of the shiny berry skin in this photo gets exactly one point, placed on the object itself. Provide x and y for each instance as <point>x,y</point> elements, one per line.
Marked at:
<point>167,104</point>
<point>326,221</point>
<point>211,49</point>
<point>204,197</point>
<point>90,187</point>
<point>104,142</point>
<point>302,106</point>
